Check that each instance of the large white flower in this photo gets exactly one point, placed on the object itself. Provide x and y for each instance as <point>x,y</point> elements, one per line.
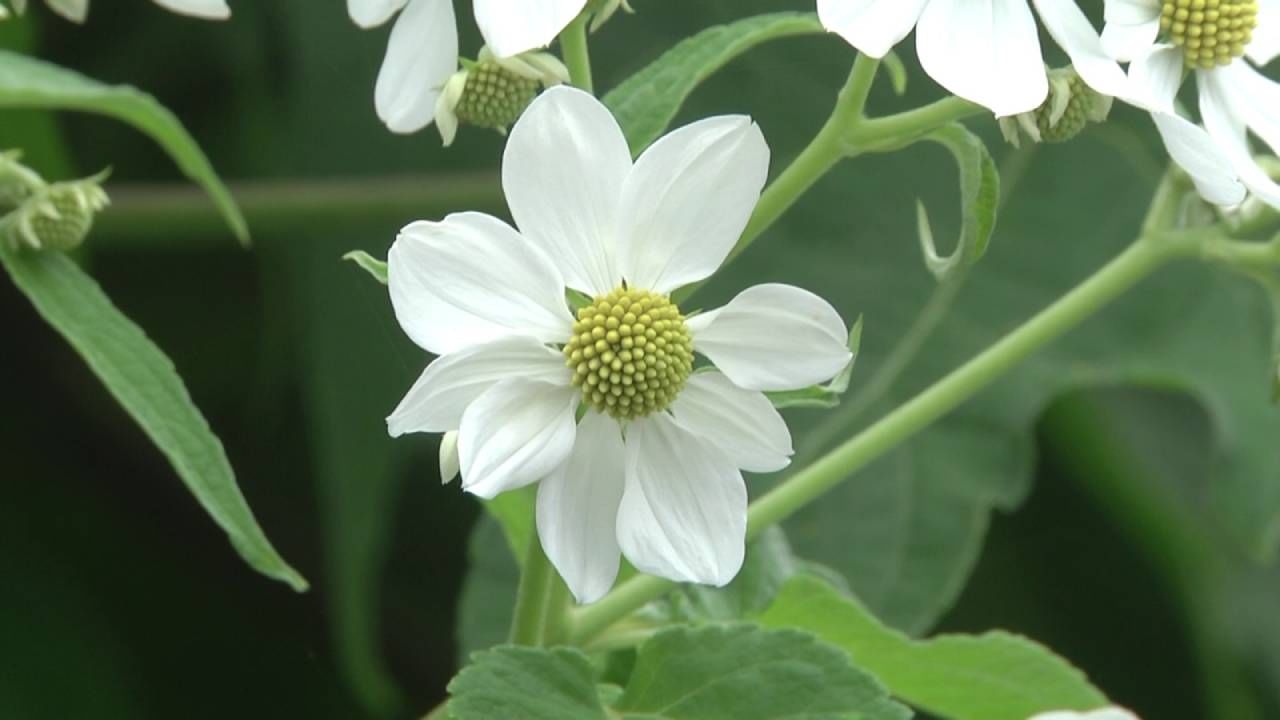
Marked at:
<point>986,51</point>
<point>422,52</point>
<point>1166,38</point>
<point>635,451</point>
<point>78,10</point>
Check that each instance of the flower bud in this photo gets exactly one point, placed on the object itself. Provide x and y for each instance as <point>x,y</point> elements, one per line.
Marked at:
<point>492,92</point>
<point>57,216</point>
<point>1069,109</point>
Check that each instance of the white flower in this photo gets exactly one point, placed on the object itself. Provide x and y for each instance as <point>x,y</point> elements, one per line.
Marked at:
<point>1110,713</point>
<point>986,51</point>
<point>1234,97</point>
<point>422,52</point>
<point>78,10</point>
<point>653,467</point>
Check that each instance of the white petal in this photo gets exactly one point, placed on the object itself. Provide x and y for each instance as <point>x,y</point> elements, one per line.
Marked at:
<point>438,399</point>
<point>421,55</point>
<point>742,424</point>
<point>1266,37</point>
<point>1132,27</point>
<point>684,510</point>
<point>73,10</point>
<point>1255,98</point>
<point>1111,713</point>
<point>510,28</point>
<point>1073,32</point>
<point>1156,76</point>
<point>562,173</point>
<point>578,509</point>
<point>986,51</point>
<point>372,13</point>
<point>774,337</point>
<point>871,26</point>
<point>472,279</point>
<point>450,466</point>
<point>1197,154</point>
<point>515,434</point>
<point>206,9</point>
<point>687,201</point>
<point>1228,130</point>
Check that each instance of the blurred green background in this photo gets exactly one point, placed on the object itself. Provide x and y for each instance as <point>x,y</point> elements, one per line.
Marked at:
<point>1135,551</point>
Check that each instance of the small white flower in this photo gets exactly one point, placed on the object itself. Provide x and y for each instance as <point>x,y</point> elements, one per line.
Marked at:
<point>1234,97</point>
<point>653,468</point>
<point>986,51</point>
<point>1110,713</point>
<point>78,10</point>
<point>422,53</point>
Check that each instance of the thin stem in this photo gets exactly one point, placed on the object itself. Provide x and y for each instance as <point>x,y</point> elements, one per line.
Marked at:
<point>822,153</point>
<point>1122,273</point>
<point>577,55</point>
<point>537,578</point>
<point>896,131</point>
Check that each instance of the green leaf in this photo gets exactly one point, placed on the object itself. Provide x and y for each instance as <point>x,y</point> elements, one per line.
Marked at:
<point>145,383</point>
<point>647,102</point>
<point>526,683</point>
<point>26,82</point>
<point>979,201</point>
<point>828,395</point>
<point>994,676</point>
<point>741,672</point>
<point>370,264</point>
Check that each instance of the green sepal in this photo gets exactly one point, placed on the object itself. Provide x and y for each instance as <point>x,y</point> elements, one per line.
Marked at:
<point>370,264</point>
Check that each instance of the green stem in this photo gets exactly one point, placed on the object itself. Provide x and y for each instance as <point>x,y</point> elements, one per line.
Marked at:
<point>822,153</point>
<point>811,483</point>
<point>897,131</point>
<point>534,596</point>
<point>577,55</point>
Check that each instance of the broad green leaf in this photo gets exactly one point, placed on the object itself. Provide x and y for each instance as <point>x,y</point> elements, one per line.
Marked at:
<point>826,395</point>
<point>370,264</point>
<point>994,676</point>
<point>27,82</point>
<point>526,683</point>
<point>145,383</point>
<point>741,672</point>
<point>979,201</point>
<point>647,102</point>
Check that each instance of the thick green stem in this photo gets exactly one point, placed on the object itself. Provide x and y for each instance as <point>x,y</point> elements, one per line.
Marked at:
<point>534,596</point>
<point>811,483</point>
<point>577,56</point>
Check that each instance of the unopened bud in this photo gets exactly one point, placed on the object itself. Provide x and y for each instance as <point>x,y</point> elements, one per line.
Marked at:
<point>58,216</point>
<point>1069,109</point>
<point>492,92</point>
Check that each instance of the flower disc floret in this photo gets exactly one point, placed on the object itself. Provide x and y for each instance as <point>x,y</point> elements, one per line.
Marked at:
<point>1074,118</point>
<point>494,96</point>
<point>1210,32</point>
<point>631,353</point>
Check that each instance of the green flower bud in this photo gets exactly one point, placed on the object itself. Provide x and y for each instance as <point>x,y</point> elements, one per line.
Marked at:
<point>1069,109</point>
<point>1210,32</point>
<point>492,92</point>
<point>58,216</point>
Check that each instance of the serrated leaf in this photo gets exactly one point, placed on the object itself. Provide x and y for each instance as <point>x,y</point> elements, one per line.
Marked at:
<point>994,676</point>
<point>646,103</point>
<point>742,672</point>
<point>143,380</point>
<point>827,395</point>
<point>370,264</point>
<point>526,683</point>
<point>27,82</point>
<point>979,201</point>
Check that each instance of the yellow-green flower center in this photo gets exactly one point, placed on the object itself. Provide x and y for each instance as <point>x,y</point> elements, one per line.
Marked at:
<point>1210,32</point>
<point>494,96</point>
<point>631,353</point>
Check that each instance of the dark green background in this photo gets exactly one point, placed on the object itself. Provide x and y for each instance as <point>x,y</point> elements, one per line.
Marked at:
<point>120,598</point>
